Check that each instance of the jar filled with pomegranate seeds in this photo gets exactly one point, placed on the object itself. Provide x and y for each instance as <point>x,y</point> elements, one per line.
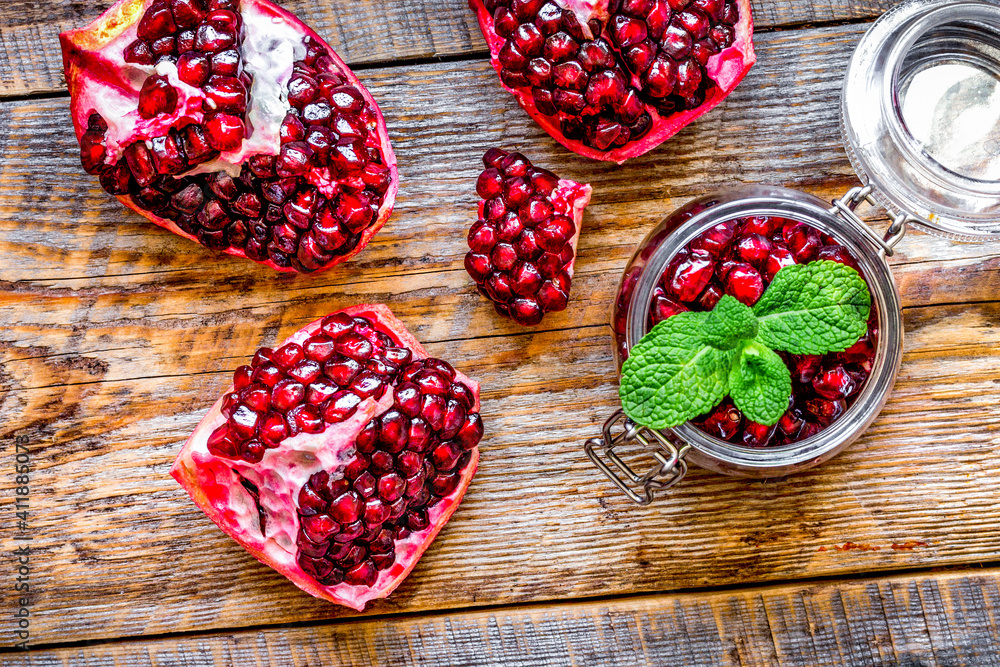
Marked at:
<point>920,115</point>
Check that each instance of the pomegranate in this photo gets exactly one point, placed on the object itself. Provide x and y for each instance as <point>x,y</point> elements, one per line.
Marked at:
<point>523,247</point>
<point>741,257</point>
<point>232,124</point>
<point>613,79</point>
<point>337,457</point>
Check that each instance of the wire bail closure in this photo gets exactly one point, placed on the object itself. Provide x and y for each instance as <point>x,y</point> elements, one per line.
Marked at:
<point>671,466</point>
<point>846,206</point>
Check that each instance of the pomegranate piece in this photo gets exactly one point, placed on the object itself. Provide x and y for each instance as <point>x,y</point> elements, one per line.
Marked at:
<point>231,123</point>
<point>613,79</point>
<point>523,247</point>
<point>741,257</point>
<point>337,457</point>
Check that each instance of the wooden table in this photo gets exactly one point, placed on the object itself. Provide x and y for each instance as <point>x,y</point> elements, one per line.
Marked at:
<point>117,336</point>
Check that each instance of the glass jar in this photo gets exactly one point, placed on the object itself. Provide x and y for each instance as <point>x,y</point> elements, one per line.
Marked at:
<point>921,123</point>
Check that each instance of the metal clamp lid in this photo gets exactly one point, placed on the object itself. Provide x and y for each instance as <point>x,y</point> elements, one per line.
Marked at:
<point>846,206</point>
<point>671,466</point>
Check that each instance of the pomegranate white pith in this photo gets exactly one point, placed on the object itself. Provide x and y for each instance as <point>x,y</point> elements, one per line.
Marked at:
<point>613,79</point>
<point>224,486</point>
<point>231,123</point>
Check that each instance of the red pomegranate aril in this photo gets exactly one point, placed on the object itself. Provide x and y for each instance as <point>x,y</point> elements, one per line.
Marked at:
<point>391,487</point>
<point>791,425</point>
<point>757,435</point>
<point>723,422</point>
<point>307,418</point>
<point>742,258</point>
<point>805,367</point>
<point>710,297</point>
<point>689,274</point>
<point>834,383</point>
<point>157,97</point>
<point>837,254</point>
<point>754,248</point>
<point>824,410</point>
<point>803,241</point>
<point>745,283</point>
<point>716,240</point>
<point>419,436</point>
<point>663,308</point>
<point>779,258</point>
<point>273,430</point>
<point>365,485</point>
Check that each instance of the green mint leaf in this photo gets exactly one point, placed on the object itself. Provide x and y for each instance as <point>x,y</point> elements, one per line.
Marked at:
<point>672,375</point>
<point>730,322</point>
<point>813,308</point>
<point>760,384</point>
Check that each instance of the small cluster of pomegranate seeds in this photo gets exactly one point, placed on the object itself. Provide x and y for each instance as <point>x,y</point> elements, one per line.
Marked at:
<point>204,41</point>
<point>740,258</point>
<point>599,81</point>
<point>272,212</point>
<point>522,246</point>
<point>406,459</point>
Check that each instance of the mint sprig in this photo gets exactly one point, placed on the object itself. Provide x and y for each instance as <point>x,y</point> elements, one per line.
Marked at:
<point>760,383</point>
<point>814,309</point>
<point>688,363</point>
<point>672,373</point>
<point>729,323</point>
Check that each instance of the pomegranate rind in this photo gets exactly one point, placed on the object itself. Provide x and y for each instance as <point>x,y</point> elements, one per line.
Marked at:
<point>214,483</point>
<point>571,198</point>
<point>82,51</point>
<point>726,68</point>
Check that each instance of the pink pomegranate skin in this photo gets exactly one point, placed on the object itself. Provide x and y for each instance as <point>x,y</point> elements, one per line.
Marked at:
<point>215,483</point>
<point>95,67</point>
<point>725,68</point>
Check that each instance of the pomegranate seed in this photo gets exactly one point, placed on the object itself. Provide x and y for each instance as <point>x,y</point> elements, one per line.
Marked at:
<point>834,383</point>
<point>837,254</point>
<point>757,435</point>
<point>723,422</point>
<point>745,283</point>
<point>690,274</point>
<point>157,97</point>
<point>826,411</point>
<point>779,258</point>
<point>224,132</point>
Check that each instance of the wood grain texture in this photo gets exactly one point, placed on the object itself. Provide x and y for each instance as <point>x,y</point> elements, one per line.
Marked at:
<point>944,619</point>
<point>117,336</point>
<point>363,33</point>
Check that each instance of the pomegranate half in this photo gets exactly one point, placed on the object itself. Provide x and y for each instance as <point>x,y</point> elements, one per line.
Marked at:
<point>231,123</point>
<point>337,457</point>
<point>613,79</point>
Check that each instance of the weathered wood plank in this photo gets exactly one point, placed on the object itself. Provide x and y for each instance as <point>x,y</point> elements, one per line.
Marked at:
<point>363,33</point>
<point>117,337</point>
<point>837,624</point>
<point>120,550</point>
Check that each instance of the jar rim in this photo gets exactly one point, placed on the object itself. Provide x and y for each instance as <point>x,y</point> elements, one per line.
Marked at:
<point>795,205</point>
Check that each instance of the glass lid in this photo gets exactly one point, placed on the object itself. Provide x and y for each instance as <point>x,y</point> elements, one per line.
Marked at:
<point>921,115</point>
